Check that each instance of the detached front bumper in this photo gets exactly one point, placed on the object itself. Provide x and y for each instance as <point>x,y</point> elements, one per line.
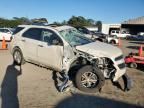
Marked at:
<point>128,83</point>
<point>121,73</point>
<point>120,69</point>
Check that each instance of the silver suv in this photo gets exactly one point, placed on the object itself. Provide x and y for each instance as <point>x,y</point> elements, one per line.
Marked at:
<point>63,48</point>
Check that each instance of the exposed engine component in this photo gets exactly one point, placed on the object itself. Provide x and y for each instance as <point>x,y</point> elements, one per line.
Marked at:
<point>106,66</point>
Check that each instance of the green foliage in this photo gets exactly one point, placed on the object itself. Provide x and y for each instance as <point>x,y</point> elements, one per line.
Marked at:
<point>81,21</point>
<point>58,23</point>
<point>73,21</point>
<point>13,22</point>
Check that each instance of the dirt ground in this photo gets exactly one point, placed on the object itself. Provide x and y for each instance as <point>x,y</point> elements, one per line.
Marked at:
<point>33,87</point>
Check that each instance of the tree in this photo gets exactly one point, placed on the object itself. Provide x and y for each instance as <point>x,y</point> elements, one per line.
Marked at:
<point>23,20</point>
<point>91,21</point>
<point>64,22</point>
<point>81,21</point>
<point>57,23</point>
<point>9,23</point>
<point>99,25</point>
<point>39,21</point>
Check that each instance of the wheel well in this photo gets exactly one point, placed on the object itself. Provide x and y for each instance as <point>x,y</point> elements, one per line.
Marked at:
<point>76,65</point>
<point>99,39</point>
<point>16,47</point>
<point>113,41</point>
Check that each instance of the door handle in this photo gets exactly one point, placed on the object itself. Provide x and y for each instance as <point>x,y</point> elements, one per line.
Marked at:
<point>40,45</point>
<point>23,40</point>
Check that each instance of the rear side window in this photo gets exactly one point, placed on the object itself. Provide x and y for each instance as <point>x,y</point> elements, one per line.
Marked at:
<point>1,30</point>
<point>18,29</point>
<point>33,33</point>
<point>113,31</point>
<point>6,30</point>
<point>117,31</point>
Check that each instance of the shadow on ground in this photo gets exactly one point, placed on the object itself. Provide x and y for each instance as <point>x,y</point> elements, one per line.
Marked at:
<point>9,87</point>
<point>87,101</point>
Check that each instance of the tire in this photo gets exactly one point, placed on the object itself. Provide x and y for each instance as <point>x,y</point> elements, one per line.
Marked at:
<point>133,65</point>
<point>96,73</point>
<point>18,57</point>
<point>113,42</point>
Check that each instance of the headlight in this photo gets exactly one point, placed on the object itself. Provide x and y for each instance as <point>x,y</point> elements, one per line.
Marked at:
<point>119,58</point>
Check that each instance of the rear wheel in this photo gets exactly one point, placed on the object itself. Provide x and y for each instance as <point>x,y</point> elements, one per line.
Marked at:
<point>18,57</point>
<point>113,42</point>
<point>89,79</point>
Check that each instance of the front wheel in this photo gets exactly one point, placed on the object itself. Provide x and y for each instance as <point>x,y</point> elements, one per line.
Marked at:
<point>18,57</point>
<point>89,79</point>
<point>133,65</point>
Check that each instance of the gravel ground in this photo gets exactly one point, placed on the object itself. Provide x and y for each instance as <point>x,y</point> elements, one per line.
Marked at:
<point>33,87</point>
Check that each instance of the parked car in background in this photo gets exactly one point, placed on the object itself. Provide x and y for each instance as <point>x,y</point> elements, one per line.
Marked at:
<point>136,37</point>
<point>63,48</point>
<point>131,37</point>
<point>85,31</point>
<point>100,37</point>
<point>91,33</point>
<point>141,33</point>
<point>119,34</point>
<point>6,33</point>
<point>113,39</point>
<point>94,35</point>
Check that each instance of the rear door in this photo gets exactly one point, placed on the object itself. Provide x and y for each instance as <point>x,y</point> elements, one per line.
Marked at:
<point>30,41</point>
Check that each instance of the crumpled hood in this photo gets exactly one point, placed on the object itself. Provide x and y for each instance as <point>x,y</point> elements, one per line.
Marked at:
<point>100,49</point>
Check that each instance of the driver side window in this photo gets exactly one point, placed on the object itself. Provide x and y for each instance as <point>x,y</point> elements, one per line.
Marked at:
<point>49,37</point>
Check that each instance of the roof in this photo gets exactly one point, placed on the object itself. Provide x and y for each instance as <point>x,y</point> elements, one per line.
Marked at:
<point>35,26</point>
<point>139,20</point>
<point>60,28</point>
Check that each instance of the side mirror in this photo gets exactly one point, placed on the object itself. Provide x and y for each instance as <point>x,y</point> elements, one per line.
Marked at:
<point>55,42</point>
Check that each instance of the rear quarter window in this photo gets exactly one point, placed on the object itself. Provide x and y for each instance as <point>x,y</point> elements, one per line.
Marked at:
<point>113,31</point>
<point>18,29</point>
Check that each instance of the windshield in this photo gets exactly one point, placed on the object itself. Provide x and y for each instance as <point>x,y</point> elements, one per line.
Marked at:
<point>74,37</point>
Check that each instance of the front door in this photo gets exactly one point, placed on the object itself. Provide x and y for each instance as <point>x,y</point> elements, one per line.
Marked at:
<point>50,50</point>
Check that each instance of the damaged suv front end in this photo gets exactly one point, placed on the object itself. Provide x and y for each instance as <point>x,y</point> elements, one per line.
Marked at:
<point>97,61</point>
<point>106,55</point>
